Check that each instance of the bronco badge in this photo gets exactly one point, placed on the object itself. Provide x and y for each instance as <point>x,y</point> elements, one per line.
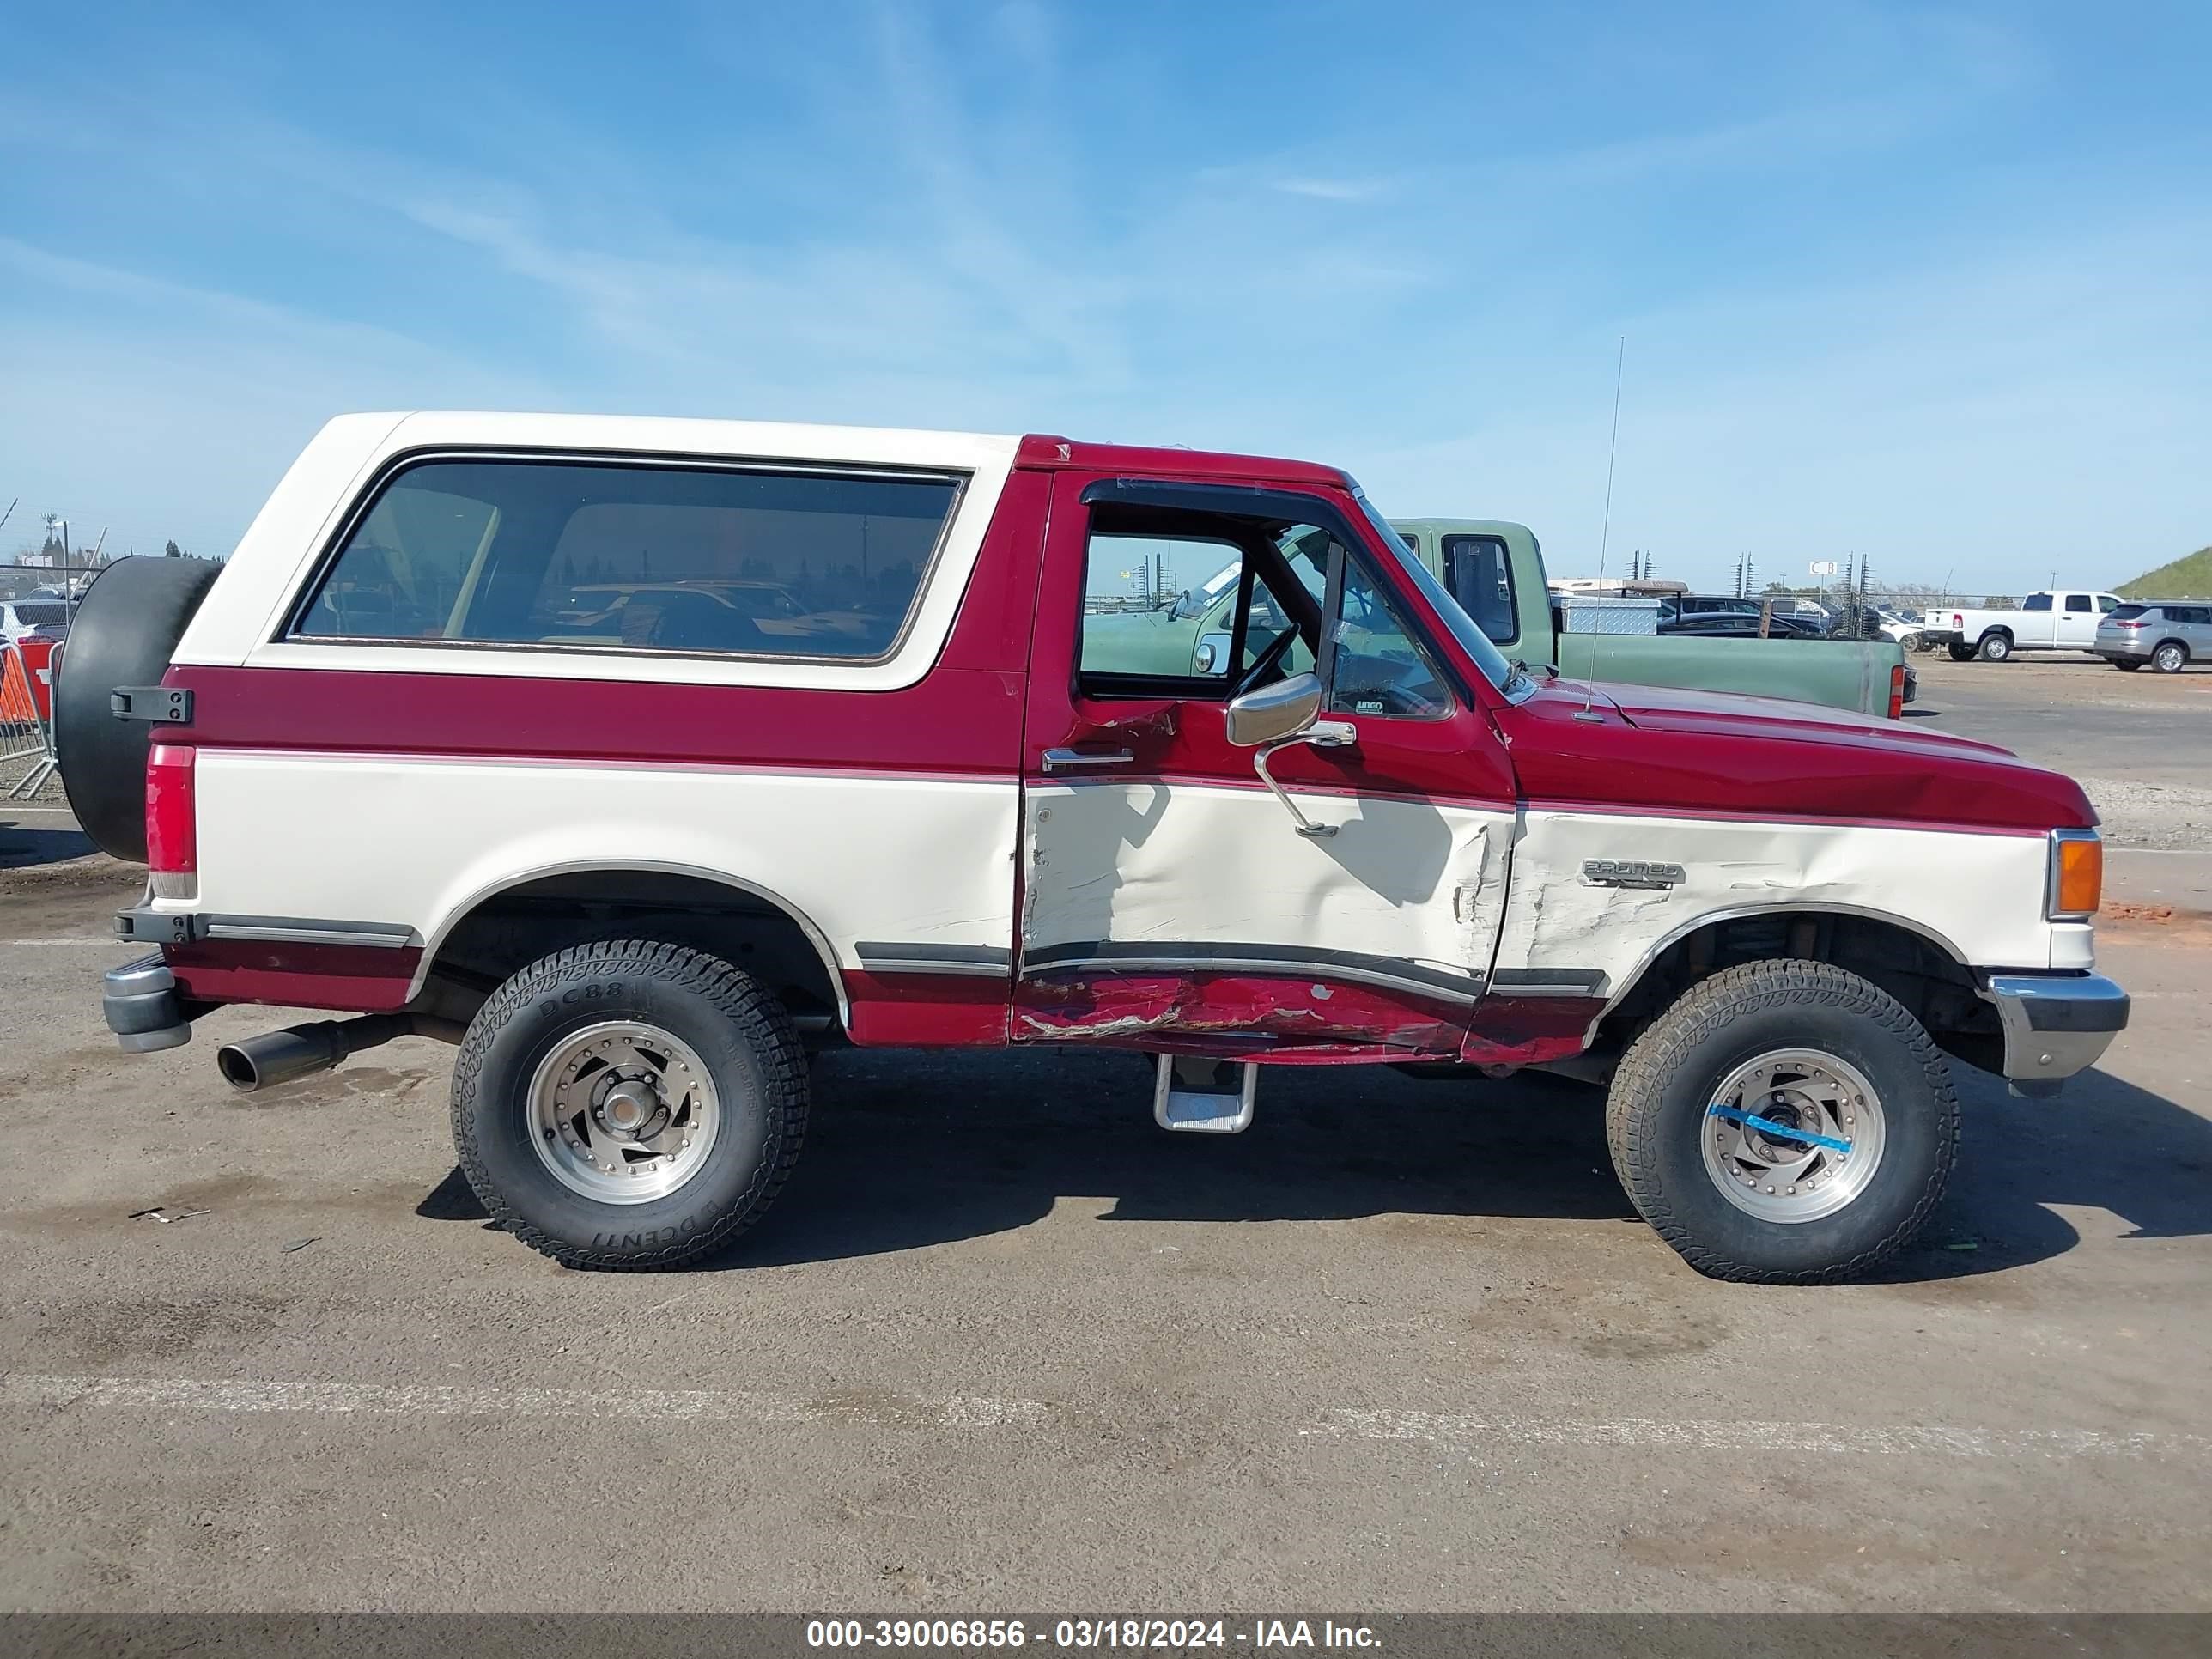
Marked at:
<point>1630,873</point>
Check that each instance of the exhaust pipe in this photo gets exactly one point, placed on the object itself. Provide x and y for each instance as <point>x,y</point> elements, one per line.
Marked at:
<point>262,1062</point>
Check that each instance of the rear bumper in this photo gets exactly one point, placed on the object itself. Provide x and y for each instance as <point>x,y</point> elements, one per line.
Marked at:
<point>140,1001</point>
<point>2112,650</point>
<point>2054,1024</point>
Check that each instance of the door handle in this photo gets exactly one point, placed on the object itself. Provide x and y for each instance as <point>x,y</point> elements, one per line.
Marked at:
<point>1075,760</point>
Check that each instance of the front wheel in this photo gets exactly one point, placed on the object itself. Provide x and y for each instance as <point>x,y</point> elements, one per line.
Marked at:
<point>1784,1123</point>
<point>629,1104</point>
<point>1996,648</point>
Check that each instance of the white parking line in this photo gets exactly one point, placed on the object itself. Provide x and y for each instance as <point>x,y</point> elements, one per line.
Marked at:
<point>1444,1428</point>
<point>644,1405</point>
<point>966,1412</point>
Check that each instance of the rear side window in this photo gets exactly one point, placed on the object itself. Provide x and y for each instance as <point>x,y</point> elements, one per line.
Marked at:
<point>615,557</point>
<point>2078,602</point>
<point>1481,579</point>
<point>2036,602</point>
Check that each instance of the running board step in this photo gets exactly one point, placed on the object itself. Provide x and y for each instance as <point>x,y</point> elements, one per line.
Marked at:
<point>1204,1096</point>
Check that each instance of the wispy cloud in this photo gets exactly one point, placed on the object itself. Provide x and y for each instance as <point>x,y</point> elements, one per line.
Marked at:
<point>1824,240</point>
<point>1331,190</point>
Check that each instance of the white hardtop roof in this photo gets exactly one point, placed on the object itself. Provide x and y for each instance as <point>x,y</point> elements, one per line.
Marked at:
<point>674,435</point>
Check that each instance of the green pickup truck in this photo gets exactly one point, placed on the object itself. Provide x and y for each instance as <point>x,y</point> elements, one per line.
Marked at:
<point>1495,571</point>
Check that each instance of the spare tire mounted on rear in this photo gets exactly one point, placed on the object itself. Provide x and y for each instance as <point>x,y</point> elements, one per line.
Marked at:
<point>128,622</point>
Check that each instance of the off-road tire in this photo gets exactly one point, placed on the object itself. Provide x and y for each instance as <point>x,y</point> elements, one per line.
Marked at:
<point>1996,646</point>
<point>742,1034</point>
<point>1655,1114</point>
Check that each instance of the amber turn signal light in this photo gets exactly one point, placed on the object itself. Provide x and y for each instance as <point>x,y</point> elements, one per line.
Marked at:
<point>2077,876</point>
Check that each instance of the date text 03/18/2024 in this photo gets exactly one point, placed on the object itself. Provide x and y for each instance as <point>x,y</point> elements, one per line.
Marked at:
<point>1127,1633</point>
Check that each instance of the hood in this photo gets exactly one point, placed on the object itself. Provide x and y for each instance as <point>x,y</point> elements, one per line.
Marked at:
<point>1661,749</point>
<point>1667,708</point>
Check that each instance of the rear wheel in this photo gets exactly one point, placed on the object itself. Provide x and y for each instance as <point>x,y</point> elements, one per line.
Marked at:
<point>1784,1122</point>
<point>629,1104</point>
<point>1962,652</point>
<point>2170,657</point>
<point>1996,646</point>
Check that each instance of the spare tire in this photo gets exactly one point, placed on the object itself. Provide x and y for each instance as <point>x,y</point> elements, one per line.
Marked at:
<point>127,622</point>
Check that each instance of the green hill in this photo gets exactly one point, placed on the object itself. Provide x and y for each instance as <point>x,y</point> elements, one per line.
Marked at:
<point>2184,579</point>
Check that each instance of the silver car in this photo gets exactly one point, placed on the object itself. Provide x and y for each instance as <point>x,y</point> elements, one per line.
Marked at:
<point>2160,632</point>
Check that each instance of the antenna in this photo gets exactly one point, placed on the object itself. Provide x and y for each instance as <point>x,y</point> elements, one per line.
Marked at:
<point>1613,448</point>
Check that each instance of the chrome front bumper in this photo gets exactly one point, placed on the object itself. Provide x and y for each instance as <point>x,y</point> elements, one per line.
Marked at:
<point>2055,1025</point>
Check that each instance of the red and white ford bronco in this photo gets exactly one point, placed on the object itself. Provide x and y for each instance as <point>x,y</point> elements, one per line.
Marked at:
<point>639,756</point>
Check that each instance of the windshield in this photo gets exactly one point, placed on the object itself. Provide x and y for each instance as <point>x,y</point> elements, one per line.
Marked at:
<point>1472,640</point>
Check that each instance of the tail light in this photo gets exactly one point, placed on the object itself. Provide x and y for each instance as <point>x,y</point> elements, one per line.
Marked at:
<point>1957,620</point>
<point>2125,624</point>
<point>2077,875</point>
<point>172,839</point>
<point>1897,691</point>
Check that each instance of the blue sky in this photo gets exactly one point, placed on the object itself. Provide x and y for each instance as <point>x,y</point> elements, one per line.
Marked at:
<point>1933,284</point>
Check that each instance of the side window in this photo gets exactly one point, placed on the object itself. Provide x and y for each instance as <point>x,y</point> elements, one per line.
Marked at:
<point>2036,602</point>
<point>1479,573</point>
<point>2078,603</point>
<point>660,558</point>
<point>1160,606</point>
<point>1379,668</point>
<point>2107,603</point>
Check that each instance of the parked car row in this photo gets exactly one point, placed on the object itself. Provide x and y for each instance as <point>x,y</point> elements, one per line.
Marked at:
<point>1696,617</point>
<point>25,618</point>
<point>2166,634</point>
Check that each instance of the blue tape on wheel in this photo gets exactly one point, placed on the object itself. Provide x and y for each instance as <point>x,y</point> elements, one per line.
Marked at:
<point>1767,1126</point>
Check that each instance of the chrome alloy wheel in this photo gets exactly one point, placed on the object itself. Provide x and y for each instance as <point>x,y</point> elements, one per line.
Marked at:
<point>1793,1136</point>
<point>623,1112</point>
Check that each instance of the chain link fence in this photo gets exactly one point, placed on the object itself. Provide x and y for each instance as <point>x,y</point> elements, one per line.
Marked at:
<point>26,716</point>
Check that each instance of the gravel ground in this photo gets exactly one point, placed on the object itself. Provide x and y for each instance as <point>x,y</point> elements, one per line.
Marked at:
<point>2164,817</point>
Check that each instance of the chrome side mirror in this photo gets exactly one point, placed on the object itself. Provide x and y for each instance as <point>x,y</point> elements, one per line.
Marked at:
<point>1272,713</point>
<point>1276,716</point>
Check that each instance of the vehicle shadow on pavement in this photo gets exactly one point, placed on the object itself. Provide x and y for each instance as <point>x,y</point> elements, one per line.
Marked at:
<point>908,1150</point>
<point>2104,1145</point>
<point>22,847</point>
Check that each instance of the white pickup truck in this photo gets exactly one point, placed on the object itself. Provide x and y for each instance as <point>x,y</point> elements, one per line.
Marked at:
<point>2056,619</point>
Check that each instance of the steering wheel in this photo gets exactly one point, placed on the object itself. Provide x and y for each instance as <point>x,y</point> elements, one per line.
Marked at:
<point>1392,682</point>
<point>1266,663</point>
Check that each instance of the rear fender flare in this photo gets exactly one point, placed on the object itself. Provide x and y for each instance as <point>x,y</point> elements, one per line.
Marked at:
<point>436,937</point>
